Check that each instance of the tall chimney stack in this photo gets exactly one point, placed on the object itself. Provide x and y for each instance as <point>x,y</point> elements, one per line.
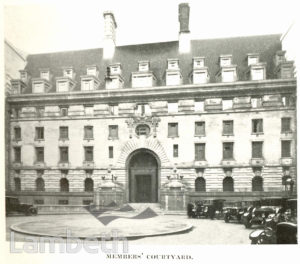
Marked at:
<point>109,41</point>
<point>184,33</point>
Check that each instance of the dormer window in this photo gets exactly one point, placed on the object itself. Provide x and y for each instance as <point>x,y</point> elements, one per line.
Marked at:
<point>225,60</point>
<point>23,76</point>
<point>68,72</point>
<point>253,59</point>
<point>116,69</point>
<point>38,87</point>
<point>92,71</point>
<point>258,71</point>
<point>62,86</point>
<point>87,85</point>
<point>279,57</point>
<point>144,66</point>
<point>173,64</point>
<point>198,62</point>
<point>228,75</point>
<point>45,74</point>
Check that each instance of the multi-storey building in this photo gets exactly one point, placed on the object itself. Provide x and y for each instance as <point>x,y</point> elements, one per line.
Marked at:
<point>216,115</point>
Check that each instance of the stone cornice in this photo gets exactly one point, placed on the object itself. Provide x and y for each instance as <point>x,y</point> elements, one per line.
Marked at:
<point>162,92</point>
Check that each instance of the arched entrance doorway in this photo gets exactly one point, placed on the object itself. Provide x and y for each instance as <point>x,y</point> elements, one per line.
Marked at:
<point>142,167</point>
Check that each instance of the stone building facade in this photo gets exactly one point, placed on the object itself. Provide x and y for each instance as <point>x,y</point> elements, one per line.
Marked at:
<point>141,123</point>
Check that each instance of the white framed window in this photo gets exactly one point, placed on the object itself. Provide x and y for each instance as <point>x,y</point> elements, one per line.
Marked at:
<point>45,75</point>
<point>62,86</point>
<point>173,107</point>
<point>91,71</point>
<point>252,60</point>
<point>68,73</point>
<point>257,74</point>
<point>225,62</point>
<point>87,85</point>
<point>198,63</point>
<point>38,87</point>
<point>228,76</point>
<point>256,102</point>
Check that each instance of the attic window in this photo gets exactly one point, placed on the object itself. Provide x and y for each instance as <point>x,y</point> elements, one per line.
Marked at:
<point>91,71</point>
<point>198,63</point>
<point>87,85</point>
<point>144,66</point>
<point>173,64</point>
<point>225,61</point>
<point>38,87</point>
<point>257,74</point>
<point>45,74</point>
<point>23,76</point>
<point>62,86</point>
<point>253,59</point>
<point>116,69</point>
<point>68,73</point>
<point>228,76</point>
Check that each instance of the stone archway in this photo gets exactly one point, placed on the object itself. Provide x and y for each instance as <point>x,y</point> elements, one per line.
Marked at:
<point>143,176</point>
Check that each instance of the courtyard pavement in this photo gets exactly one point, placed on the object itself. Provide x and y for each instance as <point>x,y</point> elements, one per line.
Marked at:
<point>203,231</point>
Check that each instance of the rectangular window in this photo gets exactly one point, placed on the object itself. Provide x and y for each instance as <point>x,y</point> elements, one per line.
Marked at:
<point>45,75</point>
<point>257,150</point>
<point>87,85</point>
<point>87,202</point>
<point>286,149</point>
<point>88,153</point>
<point>40,111</point>
<point>17,133</point>
<point>64,154</point>
<point>199,128</point>
<point>39,133</point>
<point>256,102</point>
<point>17,152</point>
<point>113,131</point>
<point>287,100</point>
<point>62,86</point>
<point>228,127</point>
<point>175,151</point>
<point>200,151</point>
<point>63,132</point>
<point>199,106</point>
<point>113,109</point>
<point>142,109</point>
<point>173,130</point>
<point>227,104</point>
<point>63,202</point>
<point>227,150</point>
<point>111,152</point>
<point>257,126</point>
<point>39,201</point>
<point>286,124</point>
<point>88,132</point>
<point>39,152</point>
<point>63,111</point>
<point>172,107</point>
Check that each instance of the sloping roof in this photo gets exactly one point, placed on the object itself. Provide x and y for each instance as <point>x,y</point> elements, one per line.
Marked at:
<point>157,54</point>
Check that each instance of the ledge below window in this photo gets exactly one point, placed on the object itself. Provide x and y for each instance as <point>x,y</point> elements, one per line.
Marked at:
<point>88,164</point>
<point>257,162</point>
<point>200,163</point>
<point>229,162</point>
<point>63,164</point>
<point>286,161</point>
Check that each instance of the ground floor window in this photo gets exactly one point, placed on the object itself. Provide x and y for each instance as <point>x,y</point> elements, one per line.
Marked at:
<point>40,184</point>
<point>64,185</point>
<point>200,184</point>
<point>228,184</point>
<point>257,184</point>
<point>88,185</point>
<point>17,184</point>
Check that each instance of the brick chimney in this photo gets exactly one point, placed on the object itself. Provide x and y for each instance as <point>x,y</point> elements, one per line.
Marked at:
<point>109,41</point>
<point>184,32</point>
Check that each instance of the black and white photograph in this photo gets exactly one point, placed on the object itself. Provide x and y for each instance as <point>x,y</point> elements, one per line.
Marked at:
<point>132,124</point>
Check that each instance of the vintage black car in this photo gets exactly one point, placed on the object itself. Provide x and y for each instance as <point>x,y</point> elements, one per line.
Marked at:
<point>291,211</point>
<point>13,205</point>
<point>258,216</point>
<point>209,208</point>
<point>233,211</point>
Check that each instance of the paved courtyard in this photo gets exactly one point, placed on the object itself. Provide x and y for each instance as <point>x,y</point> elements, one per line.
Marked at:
<point>203,232</point>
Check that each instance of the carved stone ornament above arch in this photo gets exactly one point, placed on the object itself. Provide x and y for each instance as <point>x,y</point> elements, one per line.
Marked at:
<point>137,121</point>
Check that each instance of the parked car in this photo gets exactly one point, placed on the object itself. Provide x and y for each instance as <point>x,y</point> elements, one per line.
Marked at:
<point>291,211</point>
<point>275,233</point>
<point>258,216</point>
<point>233,211</point>
<point>13,205</point>
<point>214,208</point>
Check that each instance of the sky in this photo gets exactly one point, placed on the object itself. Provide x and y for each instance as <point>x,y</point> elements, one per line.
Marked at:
<point>39,26</point>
